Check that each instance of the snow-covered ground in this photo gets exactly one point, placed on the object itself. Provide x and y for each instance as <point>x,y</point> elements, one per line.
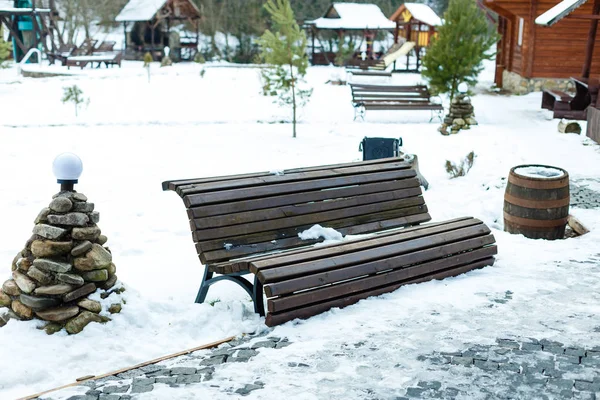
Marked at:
<point>134,134</point>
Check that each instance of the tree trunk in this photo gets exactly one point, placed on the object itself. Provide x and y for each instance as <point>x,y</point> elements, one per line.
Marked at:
<point>293,101</point>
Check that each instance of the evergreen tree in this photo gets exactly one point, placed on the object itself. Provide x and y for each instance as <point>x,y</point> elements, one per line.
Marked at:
<point>285,51</point>
<point>5,48</point>
<point>457,53</point>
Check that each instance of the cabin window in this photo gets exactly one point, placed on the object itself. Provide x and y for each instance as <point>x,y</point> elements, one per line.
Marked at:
<point>520,37</point>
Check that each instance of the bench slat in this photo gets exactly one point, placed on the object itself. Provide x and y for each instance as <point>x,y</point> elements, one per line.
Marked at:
<point>364,244</point>
<point>296,187</point>
<point>289,238</point>
<point>333,262</point>
<point>295,210</point>
<point>175,184</point>
<point>302,220</point>
<point>306,312</point>
<point>299,198</point>
<point>400,272</point>
<point>289,178</point>
<point>295,241</point>
<point>404,107</point>
<point>377,266</point>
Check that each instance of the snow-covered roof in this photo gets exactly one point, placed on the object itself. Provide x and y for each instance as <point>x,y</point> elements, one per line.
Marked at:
<point>558,12</point>
<point>424,13</point>
<point>140,10</point>
<point>353,16</point>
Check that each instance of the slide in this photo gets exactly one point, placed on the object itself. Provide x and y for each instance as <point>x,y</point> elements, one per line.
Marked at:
<point>392,56</point>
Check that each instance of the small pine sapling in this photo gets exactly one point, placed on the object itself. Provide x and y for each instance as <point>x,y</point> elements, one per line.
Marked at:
<point>199,58</point>
<point>285,52</point>
<point>457,52</point>
<point>73,94</point>
<point>455,170</point>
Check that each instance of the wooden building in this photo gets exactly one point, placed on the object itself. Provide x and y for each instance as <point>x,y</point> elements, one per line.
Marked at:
<point>344,21</point>
<point>415,23</point>
<point>531,57</point>
<point>148,26</point>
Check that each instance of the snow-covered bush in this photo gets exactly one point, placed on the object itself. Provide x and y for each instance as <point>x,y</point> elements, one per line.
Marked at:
<point>455,170</point>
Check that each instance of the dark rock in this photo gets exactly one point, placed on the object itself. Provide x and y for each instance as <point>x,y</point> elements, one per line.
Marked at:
<point>79,197</point>
<point>99,275</point>
<point>80,292</point>
<point>246,353</point>
<point>5,299</point>
<point>71,279</point>
<point>83,207</point>
<point>42,277</point>
<point>466,361</point>
<point>42,216</point>
<point>109,283</point>
<point>81,248</point>
<point>577,352</point>
<point>282,344</point>
<point>58,314</point>
<point>112,270</point>
<point>25,284</point>
<point>52,266</point>
<point>102,240</point>
<point>90,305</point>
<point>88,233</point>
<point>115,308</point>
<point>77,324</point>
<point>52,328</point>
<point>21,310</point>
<point>49,231</point>
<point>71,219</point>
<point>10,287</point>
<point>435,385</point>
<point>38,303</point>
<point>54,290</point>
<point>97,258</point>
<point>61,204</point>
<point>95,218</point>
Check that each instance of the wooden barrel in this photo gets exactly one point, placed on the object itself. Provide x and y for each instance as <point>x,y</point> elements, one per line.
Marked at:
<point>536,201</point>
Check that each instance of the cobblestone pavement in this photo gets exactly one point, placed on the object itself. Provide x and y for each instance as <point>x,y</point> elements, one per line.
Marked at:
<point>583,194</point>
<point>129,384</point>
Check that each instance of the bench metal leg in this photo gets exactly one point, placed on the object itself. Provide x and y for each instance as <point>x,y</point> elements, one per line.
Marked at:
<point>359,111</point>
<point>254,291</point>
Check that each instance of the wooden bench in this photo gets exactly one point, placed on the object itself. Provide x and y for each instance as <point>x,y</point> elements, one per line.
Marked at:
<point>106,59</point>
<point>387,97</point>
<point>370,73</point>
<point>250,223</point>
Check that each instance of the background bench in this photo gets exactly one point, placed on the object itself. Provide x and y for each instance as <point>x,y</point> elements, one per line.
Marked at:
<point>250,224</point>
<point>387,97</point>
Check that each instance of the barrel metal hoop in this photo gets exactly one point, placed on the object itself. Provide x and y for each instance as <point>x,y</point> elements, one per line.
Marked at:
<point>539,184</point>
<point>536,203</point>
<point>536,223</point>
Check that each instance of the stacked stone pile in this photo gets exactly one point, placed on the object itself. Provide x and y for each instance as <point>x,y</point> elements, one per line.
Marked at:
<point>461,115</point>
<point>63,263</point>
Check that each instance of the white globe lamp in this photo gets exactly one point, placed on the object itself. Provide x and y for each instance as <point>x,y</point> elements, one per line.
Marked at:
<point>67,168</point>
<point>463,87</point>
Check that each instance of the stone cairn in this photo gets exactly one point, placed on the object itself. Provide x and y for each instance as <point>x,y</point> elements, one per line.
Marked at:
<point>63,263</point>
<point>461,115</point>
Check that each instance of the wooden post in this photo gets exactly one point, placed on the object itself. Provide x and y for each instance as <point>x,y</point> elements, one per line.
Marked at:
<point>591,42</point>
<point>312,30</point>
<point>396,32</point>
<point>125,34</point>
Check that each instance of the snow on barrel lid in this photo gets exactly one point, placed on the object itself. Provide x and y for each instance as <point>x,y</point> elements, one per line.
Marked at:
<point>539,171</point>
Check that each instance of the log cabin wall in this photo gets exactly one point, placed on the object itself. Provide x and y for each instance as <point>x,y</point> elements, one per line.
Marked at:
<point>532,57</point>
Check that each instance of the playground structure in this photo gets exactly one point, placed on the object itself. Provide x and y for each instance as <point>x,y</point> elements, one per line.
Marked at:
<point>415,23</point>
<point>339,26</point>
<point>30,24</point>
